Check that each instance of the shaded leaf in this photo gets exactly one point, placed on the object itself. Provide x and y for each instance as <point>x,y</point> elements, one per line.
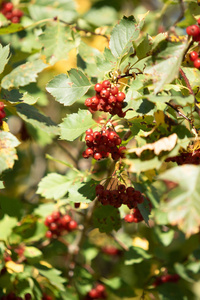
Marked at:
<point>102,16</point>
<point>68,89</point>
<point>32,254</point>
<point>4,56</point>
<point>107,218</point>
<point>7,224</point>
<point>11,28</point>
<point>119,287</point>
<point>54,276</point>
<point>136,255</point>
<point>76,124</point>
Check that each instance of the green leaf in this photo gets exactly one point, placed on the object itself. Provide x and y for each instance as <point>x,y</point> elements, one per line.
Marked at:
<point>32,254</point>
<point>107,218</point>
<point>62,9</point>
<point>23,74</point>
<point>31,115</point>
<point>82,191</point>
<point>169,291</point>
<point>57,41</point>
<point>68,89</point>
<point>138,165</point>
<point>144,47</point>
<point>166,67</point>
<point>164,237</point>
<point>98,17</point>
<point>4,56</point>
<point>53,276</point>
<point>123,35</point>
<point>7,224</point>
<point>183,272</point>
<point>183,205</point>
<point>8,155</point>
<point>11,28</point>
<point>119,287</point>
<point>136,255</point>
<point>54,186</point>
<point>2,185</point>
<point>76,124</point>
<point>83,280</point>
<point>106,61</point>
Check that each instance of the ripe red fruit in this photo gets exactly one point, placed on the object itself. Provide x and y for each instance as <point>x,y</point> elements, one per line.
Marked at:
<point>121,96</point>
<point>129,218</point>
<point>7,6</point>
<point>105,93</point>
<point>93,293</point>
<point>88,102</point>
<point>121,188</point>
<point>193,30</point>
<point>97,156</point>
<point>98,87</point>
<point>27,296</point>
<point>89,152</point>
<point>15,19</point>
<point>65,220</point>
<point>95,100</point>
<point>100,288</point>
<point>55,215</point>
<point>2,105</point>
<point>114,90</point>
<point>53,226</point>
<point>72,225</point>
<point>193,55</point>
<point>2,114</point>
<point>197,63</point>
<point>17,13</point>
<point>48,220</point>
<point>106,84</point>
<point>89,138</point>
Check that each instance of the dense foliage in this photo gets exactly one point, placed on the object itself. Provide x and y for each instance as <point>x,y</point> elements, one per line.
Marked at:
<point>99,150</point>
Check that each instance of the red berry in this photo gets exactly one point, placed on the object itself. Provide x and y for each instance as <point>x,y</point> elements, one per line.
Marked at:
<point>55,215</point>
<point>98,87</point>
<point>65,220</point>
<point>105,93</point>
<point>77,204</point>
<point>198,21</point>
<point>2,114</point>
<point>196,38</point>
<point>93,294</point>
<point>193,30</point>
<point>121,188</point>
<point>15,19</point>
<point>89,131</point>
<point>112,100</point>
<point>7,6</point>
<point>88,102</point>
<point>197,63</point>
<point>114,90</point>
<point>106,84</point>
<point>95,100</point>
<point>121,96</point>
<point>8,15</point>
<point>193,55</point>
<point>17,13</point>
<point>89,138</point>
<point>27,296</point>
<point>49,234</point>
<point>48,220</point>
<point>129,218</point>
<point>2,105</point>
<point>72,225</point>
<point>97,156</point>
<point>53,226</point>
<point>89,152</point>
<point>100,287</point>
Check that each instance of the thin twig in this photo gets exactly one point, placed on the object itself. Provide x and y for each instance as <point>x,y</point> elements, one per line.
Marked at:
<point>122,245</point>
<point>182,115</point>
<point>190,90</point>
<point>68,153</point>
<point>182,12</point>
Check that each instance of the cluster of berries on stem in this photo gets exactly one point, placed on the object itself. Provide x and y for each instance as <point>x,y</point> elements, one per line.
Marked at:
<point>166,278</point>
<point>101,143</point>
<point>98,292</point>
<point>134,217</point>
<point>192,158</point>
<point>194,31</point>
<point>2,113</point>
<point>11,13</point>
<point>59,224</point>
<point>12,296</point>
<point>122,195</point>
<point>108,99</point>
<point>111,250</point>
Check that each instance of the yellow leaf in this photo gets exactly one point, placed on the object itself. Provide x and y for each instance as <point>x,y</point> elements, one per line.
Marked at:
<point>159,117</point>
<point>12,267</point>
<point>164,144</point>
<point>5,127</point>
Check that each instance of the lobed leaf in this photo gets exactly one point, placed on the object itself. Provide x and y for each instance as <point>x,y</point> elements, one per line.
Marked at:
<point>107,218</point>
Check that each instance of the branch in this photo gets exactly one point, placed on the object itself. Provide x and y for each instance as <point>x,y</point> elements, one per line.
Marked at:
<point>182,12</point>
<point>190,90</point>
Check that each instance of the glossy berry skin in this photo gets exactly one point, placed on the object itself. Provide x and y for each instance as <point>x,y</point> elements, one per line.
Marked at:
<point>106,84</point>
<point>98,87</point>
<point>197,63</point>
<point>121,96</point>
<point>7,6</point>
<point>193,30</point>
<point>193,55</point>
<point>129,218</point>
<point>72,225</point>
<point>49,234</point>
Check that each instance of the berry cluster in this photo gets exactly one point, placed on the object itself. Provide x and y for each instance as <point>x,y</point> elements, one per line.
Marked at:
<point>58,224</point>
<point>192,158</point>
<point>108,99</point>
<point>11,13</point>
<point>119,196</point>
<point>12,296</point>
<point>2,113</point>
<point>166,278</point>
<point>134,217</point>
<point>98,292</point>
<point>46,297</point>
<point>101,143</point>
